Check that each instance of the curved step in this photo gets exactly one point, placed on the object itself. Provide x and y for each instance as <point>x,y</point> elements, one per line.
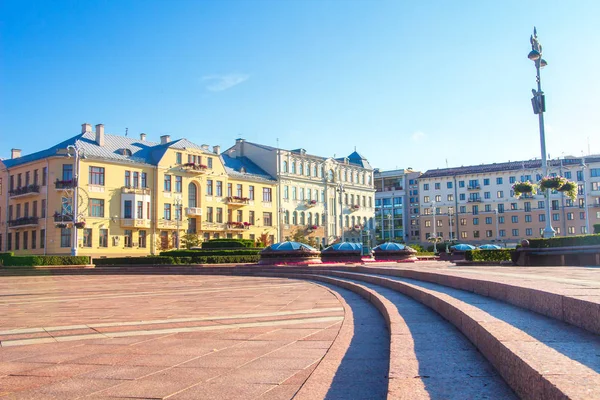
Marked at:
<point>538,357</point>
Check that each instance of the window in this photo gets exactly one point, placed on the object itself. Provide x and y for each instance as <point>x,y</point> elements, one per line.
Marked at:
<point>167,183</point>
<point>500,194</point>
<point>96,176</point>
<point>65,237</point>
<point>488,234</point>
<point>570,216</point>
<point>103,238</point>
<point>555,204</point>
<point>229,190</point>
<point>527,217</point>
<point>178,158</point>
<point>541,204</point>
<point>267,219</point>
<point>167,212</point>
<point>25,240</point>
<point>219,215</point>
<point>462,209</point>
<point>251,192</point>
<point>437,186</point>
<point>426,199</point>
<point>475,210</point>
<point>209,187</point>
<point>527,206</point>
<point>488,208</point>
<point>487,195</point>
<point>515,232</point>
<point>499,181</point>
<point>514,219</point>
<point>127,209</point>
<point>293,167</point>
<point>178,184</point>
<point>87,237</point>
<point>582,215</point>
<point>140,210</point>
<point>594,172</point>
<point>285,166</point>
<point>512,179</point>
<point>449,185</point>
<point>502,233</point>
<point>144,180</point>
<point>238,190</point>
<point>209,162</point>
<point>251,220</point>
<point>500,208</point>
<point>475,234</point>
<point>568,175</point>
<point>463,221</point>
<point>463,235</point>
<point>475,221</point>
<point>426,186</point>
<point>267,196</point>
<point>474,183</point>
<point>580,176</point>
<point>450,197</point>
<point>462,197</point>
<point>571,229</point>
<point>128,236</point>
<point>96,208</point>
<point>501,220</point>
<point>556,217</point>
<point>514,206</point>
<point>142,239</point>
<point>127,178</point>
<point>461,184</point>
<point>488,220</point>
<point>67,172</point>
<point>219,189</point>
<point>541,217</point>
<point>438,198</point>
<point>44,176</point>
<point>486,181</point>
<point>209,214</point>
<point>528,232</point>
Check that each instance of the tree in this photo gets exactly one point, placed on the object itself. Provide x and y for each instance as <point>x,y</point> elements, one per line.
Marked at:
<point>190,240</point>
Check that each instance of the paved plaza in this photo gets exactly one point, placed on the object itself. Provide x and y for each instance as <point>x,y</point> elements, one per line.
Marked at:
<point>106,335</point>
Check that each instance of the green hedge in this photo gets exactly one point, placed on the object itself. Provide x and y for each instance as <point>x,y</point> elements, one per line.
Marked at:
<point>163,260</point>
<point>150,260</point>
<point>488,255</point>
<point>211,252</point>
<point>596,228</point>
<point>227,243</point>
<point>32,261</point>
<point>581,240</point>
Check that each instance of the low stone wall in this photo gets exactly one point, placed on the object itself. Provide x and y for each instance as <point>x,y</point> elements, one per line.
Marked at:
<point>558,256</point>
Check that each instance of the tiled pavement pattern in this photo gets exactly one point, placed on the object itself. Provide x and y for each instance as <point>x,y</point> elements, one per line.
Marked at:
<point>235,337</point>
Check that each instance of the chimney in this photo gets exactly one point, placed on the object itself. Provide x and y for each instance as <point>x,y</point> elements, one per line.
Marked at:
<point>143,137</point>
<point>15,153</point>
<point>100,134</point>
<point>86,128</point>
<point>217,149</point>
<point>240,145</point>
<point>165,139</point>
<point>204,147</point>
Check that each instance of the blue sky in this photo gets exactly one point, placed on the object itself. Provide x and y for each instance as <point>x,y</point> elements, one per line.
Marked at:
<point>410,84</point>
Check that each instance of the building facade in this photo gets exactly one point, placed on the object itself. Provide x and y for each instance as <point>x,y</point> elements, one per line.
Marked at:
<point>323,199</point>
<point>397,206</point>
<point>105,195</point>
<point>476,204</point>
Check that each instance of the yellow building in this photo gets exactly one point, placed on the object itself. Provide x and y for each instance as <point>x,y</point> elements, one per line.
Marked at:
<point>105,195</point>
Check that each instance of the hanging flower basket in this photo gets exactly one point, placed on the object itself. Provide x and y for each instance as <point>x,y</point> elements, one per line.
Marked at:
<point>569,189</point>
<point>521,188</point>
<point>80,225</point>
<point>552,182</point>
<point>61,226</point>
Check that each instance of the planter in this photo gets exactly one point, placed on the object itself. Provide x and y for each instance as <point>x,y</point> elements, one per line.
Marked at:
<point>569,189</point>
<point>524,188</point>
<point>552,182</point>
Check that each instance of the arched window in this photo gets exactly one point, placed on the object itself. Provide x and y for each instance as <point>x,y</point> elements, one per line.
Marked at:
<point>315,170</point>
<point>369,179</point>
<point>353,221</point>
<point>362,178</point>
<point>317,222</point>
<point>309,219</point>
<point>323,219</point>
<point>351,176</point>
<point>307,169</point>
<point>345,176</point>
<point>295,218</point>
<point>192,195</point>
<point>301,169</point>
<point>321,171</point>
<point>330,175</point>
<point>302,219</point>
<point>285,166</point>
<point>293,167</point>
<point>286,217</point>
<point>347,222</point>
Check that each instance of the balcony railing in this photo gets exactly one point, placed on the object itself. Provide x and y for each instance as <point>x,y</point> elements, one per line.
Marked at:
<point>135,190</point>
<point>237,201</point>
<point>194,167</point>
<point>473,187</point>
<point>66,184</point>
<point>24,191</point>
<point>238,225</point>
<point>62,217</point>
<point>193,211</point>
<point>22,222</point>
<point>169,224</point>
<point>475,200</point>
<point>135,223</point>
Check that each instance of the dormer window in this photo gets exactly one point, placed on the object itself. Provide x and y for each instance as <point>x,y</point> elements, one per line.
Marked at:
<point>126,152</point>
<point>243,170</point>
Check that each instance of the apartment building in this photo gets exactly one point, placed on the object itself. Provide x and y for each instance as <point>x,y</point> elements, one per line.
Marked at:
<point>476,204</point>
<point>397,205</point>
<point>101,195</point>
<point>324,199</point>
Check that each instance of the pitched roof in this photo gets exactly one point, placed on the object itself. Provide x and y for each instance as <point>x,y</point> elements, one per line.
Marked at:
<point>244,168</point>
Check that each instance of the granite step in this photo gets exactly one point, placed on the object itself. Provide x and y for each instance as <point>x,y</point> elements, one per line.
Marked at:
<point>539,357</point>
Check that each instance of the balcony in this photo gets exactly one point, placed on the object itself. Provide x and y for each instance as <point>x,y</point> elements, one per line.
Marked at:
<point>238,226</point>
<point>169,224</point>
<point>193,211</point>
<point>237,201</point>
<point>135,190</point>
<point>474,187</point>
<point>66,184</point>
<point>194,168</point>
<point>475,200</point>
<point>62,217</point>
<point>23,222</point>
<point>354,207</point>
<point>135,223</point>
<point>30,190</point>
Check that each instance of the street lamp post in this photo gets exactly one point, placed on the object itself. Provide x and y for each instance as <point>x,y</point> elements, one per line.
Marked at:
<point>585,201</point>
<point>340,189</point>
<point>178,216</point>
<point>450,210</point>
<point>77,154</point>
<point>497,225</point>
<point>539,106</point>
<point>434,228</point>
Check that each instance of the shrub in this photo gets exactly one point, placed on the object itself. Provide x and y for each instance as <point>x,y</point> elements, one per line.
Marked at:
<point>418,248</point>
<point>210,252</point>
<point>580,240</point>
<point>488,255</point>
<point>226,259</point>
<point>596,228</point>
<point>227,243</point>
<point>150,260</point>
<point>32,261</point>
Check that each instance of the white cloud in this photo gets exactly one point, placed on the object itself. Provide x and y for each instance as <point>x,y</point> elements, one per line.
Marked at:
<point>218,83</point>
<point>417,136</point>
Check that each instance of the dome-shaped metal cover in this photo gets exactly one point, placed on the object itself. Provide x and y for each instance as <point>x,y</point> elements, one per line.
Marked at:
<point>289,246</point>
<point>391,246</point>
<point>344,246</point>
